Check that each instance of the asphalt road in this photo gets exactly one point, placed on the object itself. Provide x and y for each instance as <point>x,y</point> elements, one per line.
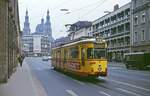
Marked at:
<point>119,82</point>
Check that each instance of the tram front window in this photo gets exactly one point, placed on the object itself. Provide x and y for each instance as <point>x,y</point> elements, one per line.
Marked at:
<point>96,53</point>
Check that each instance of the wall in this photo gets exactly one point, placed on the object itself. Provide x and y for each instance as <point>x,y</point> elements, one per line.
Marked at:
<point>9,35</point>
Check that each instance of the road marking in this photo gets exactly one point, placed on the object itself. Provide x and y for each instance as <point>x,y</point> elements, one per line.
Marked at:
<point>127,84</point>
<point>101,92</point>
<point>71,93</point>
<point>38,68</point>
<point>93,85</point>
<point>131,85</point>
<point>123,90</point>
<point>79,82</point>
<point>141,79</point>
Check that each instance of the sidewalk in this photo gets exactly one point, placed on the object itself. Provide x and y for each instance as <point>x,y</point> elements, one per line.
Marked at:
<point>22,83</point>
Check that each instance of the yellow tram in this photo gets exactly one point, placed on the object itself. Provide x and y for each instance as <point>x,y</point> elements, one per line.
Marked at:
<point>84,57</point>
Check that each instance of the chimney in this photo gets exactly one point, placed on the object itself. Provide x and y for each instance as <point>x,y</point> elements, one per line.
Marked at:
<point>116,7</point>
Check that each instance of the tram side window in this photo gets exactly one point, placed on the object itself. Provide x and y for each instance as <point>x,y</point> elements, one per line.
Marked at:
<point>90,53</point>
<point>65,54</point>
<point>74,52</point>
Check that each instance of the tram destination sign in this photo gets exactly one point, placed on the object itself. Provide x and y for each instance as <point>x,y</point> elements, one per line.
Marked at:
<point>99,45</point>
<point>99,40</point>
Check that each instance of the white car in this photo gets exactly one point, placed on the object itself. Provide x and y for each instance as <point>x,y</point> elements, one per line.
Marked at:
<point>49,57</point>
<point>45,58</point>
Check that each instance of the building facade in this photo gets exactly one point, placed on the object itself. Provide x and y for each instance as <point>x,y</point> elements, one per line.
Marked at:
<point>79,29</point>
<point>60,41</point>
<point>114,27</point>
<point>35,45</point>
<point>10,36</point>
<point>140,26</point>
<point>39,42</point>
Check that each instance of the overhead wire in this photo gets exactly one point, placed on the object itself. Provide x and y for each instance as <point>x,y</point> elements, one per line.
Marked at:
<point>89,12</point>
<point>86,6</point>
<point>62,3</point>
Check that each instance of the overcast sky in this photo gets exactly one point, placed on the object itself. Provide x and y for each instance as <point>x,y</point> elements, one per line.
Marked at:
<point>79,10</point>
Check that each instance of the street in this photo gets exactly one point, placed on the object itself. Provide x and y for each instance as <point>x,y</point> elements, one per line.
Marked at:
<point>119,82</point>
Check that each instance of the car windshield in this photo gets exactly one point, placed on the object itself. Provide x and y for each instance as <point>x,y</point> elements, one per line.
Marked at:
<point>96,53</point>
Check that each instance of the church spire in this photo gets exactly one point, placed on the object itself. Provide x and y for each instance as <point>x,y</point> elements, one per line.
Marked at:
<point>42,21</point>
<point>26,17</point>
<point>48,12</point>
<point>48,29</point>
<point>48,17</point>
<point>26,29</point>
<point>26,12</point>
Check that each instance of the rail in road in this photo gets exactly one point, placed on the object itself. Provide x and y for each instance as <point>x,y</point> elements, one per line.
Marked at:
<point>120,82</point>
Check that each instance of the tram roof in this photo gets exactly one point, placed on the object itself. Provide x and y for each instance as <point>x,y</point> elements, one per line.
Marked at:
<point>134,53</point>
<point>79,40</point>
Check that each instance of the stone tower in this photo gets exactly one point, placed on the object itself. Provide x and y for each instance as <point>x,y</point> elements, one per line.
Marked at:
<point>48,29</point>
<point>26,29</point>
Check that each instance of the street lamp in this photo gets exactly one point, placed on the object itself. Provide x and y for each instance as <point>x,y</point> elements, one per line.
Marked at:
<point>64,9</point>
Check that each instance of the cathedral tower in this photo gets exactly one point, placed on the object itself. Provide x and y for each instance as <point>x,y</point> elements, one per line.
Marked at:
<point>48,29</point>
<point>26,29</point>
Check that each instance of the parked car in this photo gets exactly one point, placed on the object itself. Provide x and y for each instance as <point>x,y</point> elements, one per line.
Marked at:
<point>49,57</point>
<point>45,58</point>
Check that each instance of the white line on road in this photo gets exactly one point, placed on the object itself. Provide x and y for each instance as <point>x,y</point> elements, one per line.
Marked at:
<point>101,92</point>
<point>146,80</point>
<point>79,82</point>
<point>127,84</point>
<point>126,91</point>
<point>70,92</point>
<point>38,68</point>
<point>131,85</point>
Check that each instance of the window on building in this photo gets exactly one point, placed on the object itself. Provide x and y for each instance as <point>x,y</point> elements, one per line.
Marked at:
<point>135,36</point>
<point>90,29</point>
<point>143,35</point>
<point>135,1</point>
<point>136,20</point>
<point>143,18</point>
<point>127,26</point>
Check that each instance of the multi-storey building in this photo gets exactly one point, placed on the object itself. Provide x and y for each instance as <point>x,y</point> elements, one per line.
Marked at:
<point>140,26</point>
<point>39,42</point>
<point>35,45</point>
<point>9,35</point>
<point>27,45</point>
<point>60,41</point>
<point>114,27</point>
<point>79,29</point>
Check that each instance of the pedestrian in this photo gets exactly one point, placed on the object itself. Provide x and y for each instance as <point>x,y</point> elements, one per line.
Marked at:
<point>20,59</point>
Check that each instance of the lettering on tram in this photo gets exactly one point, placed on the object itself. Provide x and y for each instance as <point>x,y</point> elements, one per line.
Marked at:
<point>84,57</point>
